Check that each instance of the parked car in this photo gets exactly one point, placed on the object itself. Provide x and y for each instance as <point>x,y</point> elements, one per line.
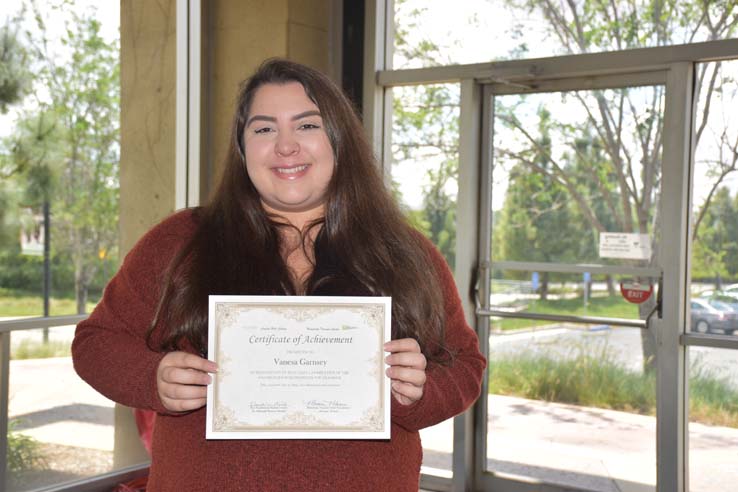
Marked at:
<point>721,295</point>
<point>712,315</point>
<point>731,289</point>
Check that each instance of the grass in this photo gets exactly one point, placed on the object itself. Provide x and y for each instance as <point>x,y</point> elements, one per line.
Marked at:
<point>34,349</point>
<point>23,304</point>
<point>594,379</point>
<point>605,307</point>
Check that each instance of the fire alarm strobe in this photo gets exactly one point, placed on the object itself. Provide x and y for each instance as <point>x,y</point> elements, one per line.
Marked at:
<point>635,292</point>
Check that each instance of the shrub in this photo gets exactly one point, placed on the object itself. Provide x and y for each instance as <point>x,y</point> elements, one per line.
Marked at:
<point>24,452</point>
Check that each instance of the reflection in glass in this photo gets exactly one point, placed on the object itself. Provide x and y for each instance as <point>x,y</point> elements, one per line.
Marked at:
<point>713,419</point>
<point>424,173</point>
<point>439,32</point>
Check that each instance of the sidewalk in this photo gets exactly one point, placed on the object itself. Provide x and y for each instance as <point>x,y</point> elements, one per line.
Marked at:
<point>602,450</point>
<point>589,448</point>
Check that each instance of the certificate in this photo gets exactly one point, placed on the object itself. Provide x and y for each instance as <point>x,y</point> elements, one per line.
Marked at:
<point>292,367</point>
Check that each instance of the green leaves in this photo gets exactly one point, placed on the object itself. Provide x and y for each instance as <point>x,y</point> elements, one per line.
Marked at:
<point>65,147</point>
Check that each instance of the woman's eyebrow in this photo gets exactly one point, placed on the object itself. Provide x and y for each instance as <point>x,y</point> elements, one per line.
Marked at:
<point>272,119</point>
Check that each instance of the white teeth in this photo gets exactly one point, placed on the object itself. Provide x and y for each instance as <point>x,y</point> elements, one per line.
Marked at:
<point>291,170</point>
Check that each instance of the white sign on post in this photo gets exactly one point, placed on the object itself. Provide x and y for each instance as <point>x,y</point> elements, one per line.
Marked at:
<point>625,245</point>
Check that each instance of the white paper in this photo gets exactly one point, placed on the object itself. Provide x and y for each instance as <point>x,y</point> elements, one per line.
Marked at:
<point>625,245</point>
<point>294,367</point>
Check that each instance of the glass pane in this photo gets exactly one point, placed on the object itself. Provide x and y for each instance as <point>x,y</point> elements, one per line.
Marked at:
<point>439,32</point>
<point>573,171</point>
<point>714,304</point>
<point>713,419</point>
<point>576,179</point>
<point>59,152</point>
<point>425,160</point>
<point>59,164</point>
<point>572,405</point>
<point>424,172</point>
<point>60,428</point>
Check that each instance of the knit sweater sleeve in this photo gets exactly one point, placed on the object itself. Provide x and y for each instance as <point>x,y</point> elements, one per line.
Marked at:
<point>109,348</point>
<point>449,388</point>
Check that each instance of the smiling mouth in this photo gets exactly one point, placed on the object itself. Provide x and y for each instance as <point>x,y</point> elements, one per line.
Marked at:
<point>291,170</point>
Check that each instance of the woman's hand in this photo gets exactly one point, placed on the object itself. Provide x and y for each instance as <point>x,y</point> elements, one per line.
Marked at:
<point>407,370</point>
<point>182,380</point>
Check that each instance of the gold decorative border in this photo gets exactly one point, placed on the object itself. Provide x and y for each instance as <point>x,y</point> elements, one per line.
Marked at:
<point>225,419</point>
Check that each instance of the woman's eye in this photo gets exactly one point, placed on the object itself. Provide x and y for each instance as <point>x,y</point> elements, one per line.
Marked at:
<point>263,130</point>
<point>309,126</point>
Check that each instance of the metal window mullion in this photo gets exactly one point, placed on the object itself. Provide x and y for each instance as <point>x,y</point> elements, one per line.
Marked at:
<point>182,104</point>
<point>569,66</point>
<point>194,94</point>
<point>4,399</point>
<point>188,98</point>
<point>374,101</point>
<point>671,431</point>
<point>483,281</point>
<point>467,240</point>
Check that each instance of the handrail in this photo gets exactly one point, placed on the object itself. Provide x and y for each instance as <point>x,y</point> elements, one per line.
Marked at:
<point>535,266</point>
<point>40,322</point>
<point>637,323</point>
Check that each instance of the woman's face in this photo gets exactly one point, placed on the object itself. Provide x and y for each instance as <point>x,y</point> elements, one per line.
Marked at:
<point>288,155</point>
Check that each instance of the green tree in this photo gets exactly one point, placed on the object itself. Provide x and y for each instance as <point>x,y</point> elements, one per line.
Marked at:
<point>72,158</point>
<point>425,132</point>
<point>626,122</point>
<point>15,79</point>
<point>536,220</point>
<point>718,240</point>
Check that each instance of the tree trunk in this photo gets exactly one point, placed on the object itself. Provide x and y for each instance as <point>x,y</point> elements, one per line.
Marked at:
<point>81,297</point>
<point>648,342</point>
<point>544,286</point>
<point>610,286</point>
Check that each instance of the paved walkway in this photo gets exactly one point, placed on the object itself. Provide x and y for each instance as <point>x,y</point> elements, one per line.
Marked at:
<point>602,450</point>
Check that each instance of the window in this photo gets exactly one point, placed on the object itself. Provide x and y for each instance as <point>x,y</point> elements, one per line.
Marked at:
<point>59,167</point>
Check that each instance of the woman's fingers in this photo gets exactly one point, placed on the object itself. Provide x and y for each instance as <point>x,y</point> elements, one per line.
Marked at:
<point>182,380</point>
<point>409,391</point>
<point>407,375</point>
<point>407,369</point>
<point>407,359</point>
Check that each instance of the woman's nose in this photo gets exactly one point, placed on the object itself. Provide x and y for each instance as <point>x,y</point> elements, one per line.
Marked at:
<point>286,144</point>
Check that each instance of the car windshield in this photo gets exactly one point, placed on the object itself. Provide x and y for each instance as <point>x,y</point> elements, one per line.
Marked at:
<point>721,306</point>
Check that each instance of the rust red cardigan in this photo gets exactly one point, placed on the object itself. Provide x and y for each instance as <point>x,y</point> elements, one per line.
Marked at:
<point>110,353</point>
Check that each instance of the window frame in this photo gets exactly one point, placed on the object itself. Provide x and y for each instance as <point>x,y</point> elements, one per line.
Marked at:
<point>677,64</point>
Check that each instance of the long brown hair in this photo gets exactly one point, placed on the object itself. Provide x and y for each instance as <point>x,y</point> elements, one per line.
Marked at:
<point>364,247</point>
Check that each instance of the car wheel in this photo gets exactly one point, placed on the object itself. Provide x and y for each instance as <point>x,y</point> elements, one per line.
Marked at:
<point>702,326</point>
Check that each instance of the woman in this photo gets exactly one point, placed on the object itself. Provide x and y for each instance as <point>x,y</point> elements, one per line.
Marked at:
<point>301,210</point>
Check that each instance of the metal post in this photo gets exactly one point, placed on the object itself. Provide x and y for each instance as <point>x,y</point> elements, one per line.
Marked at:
<point>47,264</point>
<point>4,391</point>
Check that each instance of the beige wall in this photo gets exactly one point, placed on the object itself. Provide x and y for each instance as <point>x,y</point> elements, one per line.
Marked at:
<point>147,59</point>
<point>238,35</point>
<point>241,34</point>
